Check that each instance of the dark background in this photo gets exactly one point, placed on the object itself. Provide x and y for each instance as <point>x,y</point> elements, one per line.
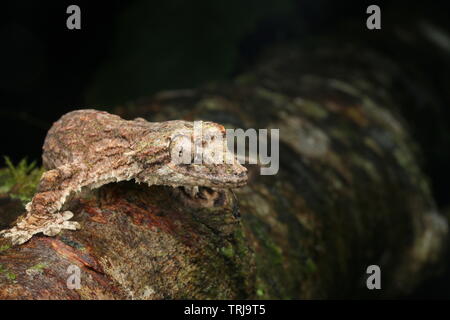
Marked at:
<point>126,50</point>
<point>47,70</point>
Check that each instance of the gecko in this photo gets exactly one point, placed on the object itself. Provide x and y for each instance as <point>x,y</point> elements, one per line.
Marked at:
<point>90,148</point>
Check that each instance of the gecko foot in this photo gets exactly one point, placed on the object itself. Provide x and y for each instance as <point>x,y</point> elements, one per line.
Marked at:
<point>200,196</point>
<point>23,231</point>
<point>191,191</point>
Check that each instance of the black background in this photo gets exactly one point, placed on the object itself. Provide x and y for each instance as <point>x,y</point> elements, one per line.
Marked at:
<point>47,70</point>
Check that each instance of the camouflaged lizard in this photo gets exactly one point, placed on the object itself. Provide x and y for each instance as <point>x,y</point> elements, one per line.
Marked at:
<point>90,148</point>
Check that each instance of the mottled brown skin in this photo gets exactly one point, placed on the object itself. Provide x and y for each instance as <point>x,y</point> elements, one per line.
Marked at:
<point>90,148</point>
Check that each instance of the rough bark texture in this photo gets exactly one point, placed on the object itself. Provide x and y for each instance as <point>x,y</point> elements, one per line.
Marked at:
<point>349,194</point>
<point>135,242</point>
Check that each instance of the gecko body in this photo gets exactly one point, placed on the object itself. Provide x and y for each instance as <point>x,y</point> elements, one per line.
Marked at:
<point>90,148</point>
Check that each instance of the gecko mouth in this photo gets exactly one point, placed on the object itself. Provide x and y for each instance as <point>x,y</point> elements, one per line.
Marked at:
<point>218,176</point>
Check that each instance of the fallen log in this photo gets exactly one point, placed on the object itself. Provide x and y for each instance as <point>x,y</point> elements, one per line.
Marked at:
<point>349,193</point>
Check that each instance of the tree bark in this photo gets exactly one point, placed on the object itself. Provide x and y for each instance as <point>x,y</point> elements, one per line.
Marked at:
<point>349,194</point>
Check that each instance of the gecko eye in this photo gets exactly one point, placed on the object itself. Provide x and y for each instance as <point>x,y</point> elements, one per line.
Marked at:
<point>181,150</point>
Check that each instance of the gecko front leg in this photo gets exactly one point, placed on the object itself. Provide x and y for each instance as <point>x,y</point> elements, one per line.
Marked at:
<point>43,211</point>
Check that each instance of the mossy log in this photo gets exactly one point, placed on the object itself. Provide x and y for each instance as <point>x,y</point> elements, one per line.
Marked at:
<point>349,194</point>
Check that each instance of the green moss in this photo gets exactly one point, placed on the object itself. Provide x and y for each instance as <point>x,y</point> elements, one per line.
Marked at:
<point>20,181</point>
<point>4,247</point>
<point>39,266</point>
<point>10,276</point>
<point>262,290</point>
<point>310,266</point>
<point>227,251</point>
<point>273,251</point>
<point>269,261</point>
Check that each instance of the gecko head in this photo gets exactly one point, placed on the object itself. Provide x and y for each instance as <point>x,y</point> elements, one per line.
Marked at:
<point>199,156</point>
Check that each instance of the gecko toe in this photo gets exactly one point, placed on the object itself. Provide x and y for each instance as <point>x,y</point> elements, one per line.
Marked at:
<point>66,215</point>
<point>71,225</point>
<point>16,237</point>
<point>52,231</point>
